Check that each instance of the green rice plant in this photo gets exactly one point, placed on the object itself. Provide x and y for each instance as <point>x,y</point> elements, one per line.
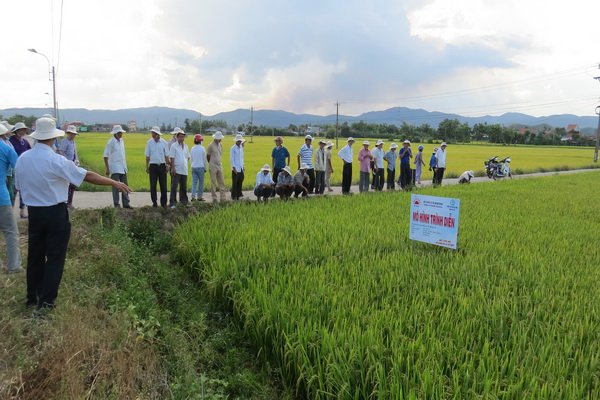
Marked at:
<point>258,152</point>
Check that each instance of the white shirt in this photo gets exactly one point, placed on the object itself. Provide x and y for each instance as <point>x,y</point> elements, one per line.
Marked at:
<point>157,151</point>
<point>262,179</point>
<point>43,176</point>
<point>378,157</point>
<point>346,153</point>
<point>180,155</point>
<point>236,156</point>
<point>115,151</point>
<point>198,155</point>
<point>440,156</point>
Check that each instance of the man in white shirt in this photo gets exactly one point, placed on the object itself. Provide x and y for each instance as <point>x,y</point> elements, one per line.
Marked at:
<point>157,161</point>
<point>116,164</point>
<point>305,156</point>
<point>378,167</point>
<point>346,154</point>
<point>43,178</point>
<point>264,184</point>
<point>236,157</point>
<point>179,156</point>
<point>440,165</point>
<point>198,156</point>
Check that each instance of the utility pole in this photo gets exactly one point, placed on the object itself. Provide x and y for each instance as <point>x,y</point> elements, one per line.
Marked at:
<point>337,115</point>
<point>251,123</point>
<point>598,131</point>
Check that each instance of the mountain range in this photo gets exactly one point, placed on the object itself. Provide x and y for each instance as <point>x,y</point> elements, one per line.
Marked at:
<point>148,116</point>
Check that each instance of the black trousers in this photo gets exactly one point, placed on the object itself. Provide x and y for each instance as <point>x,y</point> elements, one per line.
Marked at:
<point>178,181</point>
<point>378,179</point>
<point>158,173</point>
<point>346,177</point>
<point>284,191</point>
<point>299,190</point>
<point>391,176</point>
<point>49,233</point>
<point>320,182</point>
<point>276,172</point>
<point>438,175</point>
<point>263,191</point>
<point>405,176</point>
<point>311,180</point>
<point>237,179</point>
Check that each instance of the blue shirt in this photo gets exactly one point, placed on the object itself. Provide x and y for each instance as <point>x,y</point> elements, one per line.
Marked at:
<point>432,161</point>
<point>8,160</point>
<point>279,154</point>
<point>404,155</point>
<point>391,157</point>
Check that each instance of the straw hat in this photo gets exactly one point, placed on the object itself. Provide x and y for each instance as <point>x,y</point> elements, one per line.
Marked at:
<point>322,141</point>
<point>308,137</point>
<point>117,129</point>
<point>218,135</point>
<point>279,139</point>
<point>45,128</point>
<point>156,130</point>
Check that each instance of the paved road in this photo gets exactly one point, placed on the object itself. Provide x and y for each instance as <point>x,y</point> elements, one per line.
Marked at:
<point>87,200</point>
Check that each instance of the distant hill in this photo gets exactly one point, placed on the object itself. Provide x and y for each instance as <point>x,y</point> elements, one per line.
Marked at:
<point>149,116</point>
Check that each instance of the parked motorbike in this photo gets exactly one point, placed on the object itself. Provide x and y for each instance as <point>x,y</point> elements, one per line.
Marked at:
<point>496,169</point>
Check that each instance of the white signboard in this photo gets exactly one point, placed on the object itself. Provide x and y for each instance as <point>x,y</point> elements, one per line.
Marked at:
<point>434,220</point>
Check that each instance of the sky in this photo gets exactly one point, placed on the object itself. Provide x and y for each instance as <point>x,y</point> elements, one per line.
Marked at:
<point>471,57</point>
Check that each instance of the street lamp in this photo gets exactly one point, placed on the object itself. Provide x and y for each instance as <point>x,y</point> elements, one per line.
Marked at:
<point>52,78</point>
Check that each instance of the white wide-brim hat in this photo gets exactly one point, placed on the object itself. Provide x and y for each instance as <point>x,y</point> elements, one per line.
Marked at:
<point>238,138</point>
<point>177,131</point>
<point>287,169</point>
<point>6,125</point>
<point>406,141</point>
<point>366,143</point>
<point>3,130</point>
<point>379,142</point>
<point>308,137</point>
<point>218,135</point>
<point>266,167</point>
<point>394,146</point>
<point>72,129</point>
<point>117,129</point>
<point>329,144</point>
<point>350,139</point>
<point>156,130</point>
<point>45,128</point>
<point>443,144</point>
<point>19,126</point>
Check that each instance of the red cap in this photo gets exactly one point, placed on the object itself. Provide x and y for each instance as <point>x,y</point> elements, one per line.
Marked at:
<point>198,137</point>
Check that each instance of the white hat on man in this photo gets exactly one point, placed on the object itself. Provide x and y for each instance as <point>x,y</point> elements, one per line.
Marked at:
<point>117,129</point>
<point>3,130</point>
<point>72,129</point>
<point>379,142</point>
<point>238,138</point>
<point>308,137</point>
<point>350,139</point>
<point>329,144</point>
<point>18,126</point>
<point>366,143</point>
<point>406,141</point>
<point>156,130</point>
<point>177,131</point>
<point>218,135</point>
<point>266,167</point>
<point>45,128</point>
<point>443,144</point>
<point>394,146</point>
<point>287,169</point>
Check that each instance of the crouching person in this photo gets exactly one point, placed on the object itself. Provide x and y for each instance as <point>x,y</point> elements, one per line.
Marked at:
<point>301,181</point>
<point>465,177</point>
<point>285,183</point>
<point>264,184</point>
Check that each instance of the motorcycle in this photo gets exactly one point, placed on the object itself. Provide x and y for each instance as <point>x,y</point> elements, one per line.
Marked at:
<point>496,169</point>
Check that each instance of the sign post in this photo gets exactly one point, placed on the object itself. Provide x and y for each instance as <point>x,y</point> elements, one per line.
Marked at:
<point>434,220</point>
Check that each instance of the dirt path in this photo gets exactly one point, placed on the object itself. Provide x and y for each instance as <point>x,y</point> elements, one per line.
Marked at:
<point>139,199</point>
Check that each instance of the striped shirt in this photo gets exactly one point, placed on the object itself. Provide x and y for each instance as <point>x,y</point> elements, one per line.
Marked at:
<point>305,154</point>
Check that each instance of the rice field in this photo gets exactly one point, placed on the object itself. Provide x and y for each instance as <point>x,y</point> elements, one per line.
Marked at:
<point>258,152</point>
<point>333,293</point>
